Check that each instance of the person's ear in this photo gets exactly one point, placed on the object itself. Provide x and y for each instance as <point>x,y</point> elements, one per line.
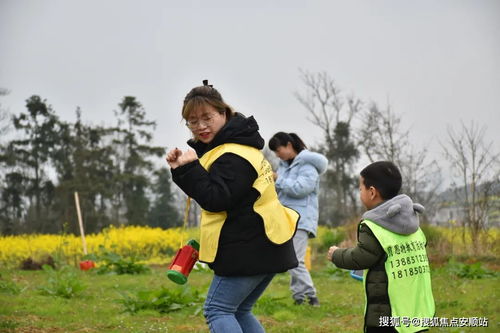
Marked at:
<point>373,192</point>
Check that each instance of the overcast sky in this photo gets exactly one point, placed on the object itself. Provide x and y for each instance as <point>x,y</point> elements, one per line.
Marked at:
<point>436,62</point>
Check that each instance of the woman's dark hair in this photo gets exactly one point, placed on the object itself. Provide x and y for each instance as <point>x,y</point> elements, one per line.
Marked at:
<point>384,176</point>
<point>282,139</point>
<point>205,94</point>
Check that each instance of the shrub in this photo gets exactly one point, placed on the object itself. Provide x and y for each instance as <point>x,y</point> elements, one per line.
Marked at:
<point>330,237</point>
<point>163,300</point>
<point>63,283</point>
<point>9,287</point>
<point>111,262</point>
<point>469,271</point>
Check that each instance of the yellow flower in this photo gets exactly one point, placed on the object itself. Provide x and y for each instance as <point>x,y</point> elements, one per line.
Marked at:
<point>153,245</point>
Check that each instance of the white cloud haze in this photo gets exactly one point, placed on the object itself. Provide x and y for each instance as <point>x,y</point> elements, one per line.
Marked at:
<point>436,62</point>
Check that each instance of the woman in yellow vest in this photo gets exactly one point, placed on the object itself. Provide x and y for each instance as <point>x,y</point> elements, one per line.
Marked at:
<point>245,233</point>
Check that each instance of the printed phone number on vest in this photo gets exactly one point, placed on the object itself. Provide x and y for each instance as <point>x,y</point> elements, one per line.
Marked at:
<point>410,260</point>
<point>409,272</point>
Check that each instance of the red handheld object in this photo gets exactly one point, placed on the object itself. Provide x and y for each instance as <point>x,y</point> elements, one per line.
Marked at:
<point>183,262</point>
<point>86,265</point>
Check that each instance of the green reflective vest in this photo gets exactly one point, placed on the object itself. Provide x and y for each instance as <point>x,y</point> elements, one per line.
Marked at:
<point>280,222</point>
<point>408,276</point>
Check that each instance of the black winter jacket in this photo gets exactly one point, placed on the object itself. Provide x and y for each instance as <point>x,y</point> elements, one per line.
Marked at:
<point>368,254</point>
<point>244,248</point>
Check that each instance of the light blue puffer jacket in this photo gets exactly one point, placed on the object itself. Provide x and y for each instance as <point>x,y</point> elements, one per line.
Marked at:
<point>298,185</point>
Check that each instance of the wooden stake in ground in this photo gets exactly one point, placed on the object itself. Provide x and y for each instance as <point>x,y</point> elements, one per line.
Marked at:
<point>77,203</point>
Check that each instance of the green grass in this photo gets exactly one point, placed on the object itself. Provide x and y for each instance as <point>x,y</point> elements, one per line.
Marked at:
<point>96,308</point>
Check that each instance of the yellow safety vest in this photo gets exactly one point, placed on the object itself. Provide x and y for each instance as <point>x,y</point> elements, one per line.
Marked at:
<point>280,222</point>
<point>408,277</point>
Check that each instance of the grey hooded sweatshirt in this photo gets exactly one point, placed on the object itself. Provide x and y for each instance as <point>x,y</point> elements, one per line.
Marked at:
<point>398,215</point>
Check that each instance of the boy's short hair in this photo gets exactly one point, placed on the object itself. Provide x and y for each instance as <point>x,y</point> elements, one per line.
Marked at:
<point>384,176</point>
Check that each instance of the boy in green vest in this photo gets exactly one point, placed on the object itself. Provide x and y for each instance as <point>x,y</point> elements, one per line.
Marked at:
<point>391,251</point>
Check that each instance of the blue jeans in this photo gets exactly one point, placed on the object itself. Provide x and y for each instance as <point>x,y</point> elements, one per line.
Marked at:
<point>228,307</point>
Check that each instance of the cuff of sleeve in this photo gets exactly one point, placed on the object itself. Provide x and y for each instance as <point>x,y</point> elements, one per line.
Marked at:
<point>184,168</point>
<point>337,256</point>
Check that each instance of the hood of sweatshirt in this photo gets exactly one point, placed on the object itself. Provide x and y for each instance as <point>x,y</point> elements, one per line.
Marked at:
<point>317,160</point>
<point>239,129</point>
<point>399,215</point>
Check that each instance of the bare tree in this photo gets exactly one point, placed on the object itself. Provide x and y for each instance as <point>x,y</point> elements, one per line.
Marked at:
<point>381,137</point>
<point>325,102</point>
<point>4,116</point>
<point>477,169</point>
<point>422,179</point>
<point>332,112</point>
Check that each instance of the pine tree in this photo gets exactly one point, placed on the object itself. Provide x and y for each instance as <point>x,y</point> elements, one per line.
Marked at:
<point>28,158</point>
<point>132,156</point>
<point>163,213</point>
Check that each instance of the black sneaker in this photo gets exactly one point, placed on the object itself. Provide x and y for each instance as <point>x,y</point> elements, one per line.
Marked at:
<point>314,301</point>
<point>298,301</point>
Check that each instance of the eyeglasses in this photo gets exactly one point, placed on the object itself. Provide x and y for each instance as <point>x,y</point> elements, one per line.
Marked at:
<point>206,119</point>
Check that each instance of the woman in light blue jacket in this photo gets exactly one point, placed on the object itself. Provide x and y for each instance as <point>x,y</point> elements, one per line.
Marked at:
<point>297,184</point>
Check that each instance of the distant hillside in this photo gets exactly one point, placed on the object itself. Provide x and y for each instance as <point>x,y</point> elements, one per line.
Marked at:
<point>450,205</point>
<point>452,194</point>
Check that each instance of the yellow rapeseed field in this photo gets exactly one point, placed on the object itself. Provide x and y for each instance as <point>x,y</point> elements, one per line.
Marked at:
<point>157,246</point>
<point>153,245</point>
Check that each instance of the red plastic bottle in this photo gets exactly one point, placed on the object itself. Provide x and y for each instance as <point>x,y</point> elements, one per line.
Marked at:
<point>183,262</point>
